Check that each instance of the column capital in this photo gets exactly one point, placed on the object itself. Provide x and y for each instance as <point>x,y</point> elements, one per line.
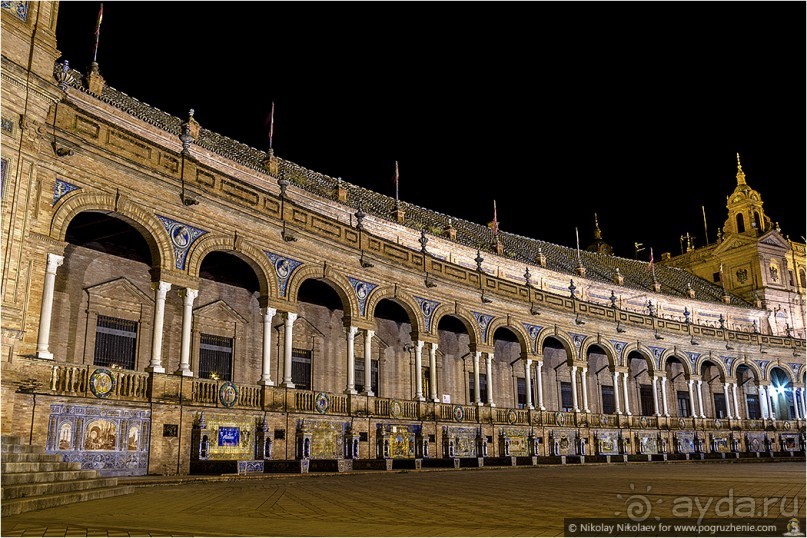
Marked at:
<point>269,311</point>
<point>54,261</point>
<point>161,287</point>
<point>369,332</point>
<point>188,293</point>
<point>291,316</point>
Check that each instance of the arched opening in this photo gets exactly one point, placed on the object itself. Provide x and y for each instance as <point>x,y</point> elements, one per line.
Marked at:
<point>740,223</point>
<point>600,381</point>
<point>506,377</point>
<point>393,324</point>
<point>748,392</point>
<point>678,397</point>
<point>757,222</point>
<point>226,320</point>
<point>103,286</point>
<point>781,395</point>
<point>714,400</point>
<point>458,364</point>
<point>558,375</point>
<point>641,376</point>
<point>317,358</point>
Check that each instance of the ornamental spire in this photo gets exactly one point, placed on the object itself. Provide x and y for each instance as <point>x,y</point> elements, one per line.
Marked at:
<point>740,173</point>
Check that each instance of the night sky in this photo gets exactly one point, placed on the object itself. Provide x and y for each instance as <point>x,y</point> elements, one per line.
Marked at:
<point>556,110</point>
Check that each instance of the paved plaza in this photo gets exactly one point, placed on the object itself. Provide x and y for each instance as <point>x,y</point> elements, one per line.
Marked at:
<point>530,501</point>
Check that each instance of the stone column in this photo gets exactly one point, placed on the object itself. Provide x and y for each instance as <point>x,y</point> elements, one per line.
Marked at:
<point>539,381</point>
<point>655,395</point>
<point>477,395</point>
<point>700,398</point>
<point>692,402</point>
<point>433,371</point>
<point>46,310</point>
<point>188,295</point>
<point>584,388</point>
<point>528,382</point>
<point>351,361</point>
<point>728,402</point>
<point>266,375</point>
<point>616,393</point>
<point>489,368</point>
<point>160,290</point>
<point>796,402</point>
<point>287,344</point>
<point>625,393</point>
<point>664,408</point>
<point>419,371</point>
<point>574,390</point>
<point>763,401</point>
<point>736,403</point>
<point>368,363</point>
<point>803,405</point>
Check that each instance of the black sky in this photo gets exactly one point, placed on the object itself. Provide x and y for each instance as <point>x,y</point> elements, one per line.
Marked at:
<point>556,110</point>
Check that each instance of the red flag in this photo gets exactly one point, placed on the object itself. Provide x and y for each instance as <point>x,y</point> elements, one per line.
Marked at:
<point>396,181</point>
<point>271,124</point>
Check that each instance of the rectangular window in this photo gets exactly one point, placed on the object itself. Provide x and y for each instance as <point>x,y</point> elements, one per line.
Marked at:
<point>753,406</point>
<point>566,395</point>
<point>483,388</point>
<point>216,357</point>
<point>646,400</point>
<point>683,403</point>
<point>301,368</point>
<point>358,369</point>
<point>720,405</point>
<point>521,392</point>
<point>115,342</point>
<point>608,404</point>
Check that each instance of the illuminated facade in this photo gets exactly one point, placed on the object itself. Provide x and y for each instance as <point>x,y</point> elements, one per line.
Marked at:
<point>175,302</point>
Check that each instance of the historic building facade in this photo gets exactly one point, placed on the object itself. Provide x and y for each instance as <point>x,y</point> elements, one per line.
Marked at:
<point>175,301</point>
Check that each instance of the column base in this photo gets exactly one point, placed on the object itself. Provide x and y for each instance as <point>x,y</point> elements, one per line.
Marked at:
<point>266,382</point>
<point>479,404</point>
<point>420,398</point>
<point>47,355</point>
<point>155,369</point>
<point>491,404</point>
<point>287,385</point>
<point>368,393</point>
<point>543,408</point>
<point>184,373</point>
<point>350,390</point>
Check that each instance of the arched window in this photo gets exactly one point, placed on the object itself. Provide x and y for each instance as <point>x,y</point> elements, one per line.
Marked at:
<point>757,221</point>
<point>740,223</point>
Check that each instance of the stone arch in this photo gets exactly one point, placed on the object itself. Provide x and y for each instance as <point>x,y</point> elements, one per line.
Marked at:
<point>145,222</point>
<point>562,337</point>
<point>517,329</point>
<point>610,353</point>
<point>718,364</point>
<point>683,359</point>
<point>462,314</point>
<point>758,375</point>
<point>244,251</point>
<point>782,366</point>
<point>402,299</point>
<point>340,284</point>
<point>644,352</point>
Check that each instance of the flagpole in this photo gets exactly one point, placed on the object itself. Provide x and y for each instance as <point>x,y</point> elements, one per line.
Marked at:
<point>272,125</point>
<point>98,32</point>
<point>705,232</point>
<point>577,235</point>
<point>652,266</point>
<point>396,182</point>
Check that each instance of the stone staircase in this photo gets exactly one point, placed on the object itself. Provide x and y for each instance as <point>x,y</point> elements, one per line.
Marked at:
<point>33,480</point>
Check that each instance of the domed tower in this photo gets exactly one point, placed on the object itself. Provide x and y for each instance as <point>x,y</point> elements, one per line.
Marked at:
<point>746,215</point>
<point>599,245</point>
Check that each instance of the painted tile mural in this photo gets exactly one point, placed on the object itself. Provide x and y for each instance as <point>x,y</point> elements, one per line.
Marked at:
<point>111,440</point>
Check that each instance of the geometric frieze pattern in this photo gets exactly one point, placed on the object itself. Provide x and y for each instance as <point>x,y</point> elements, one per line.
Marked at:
<point>61,188</point>
<point>533,331</point>
<point>578,340</point>
<point>284,267</point>
<point>427,308</point>
<point>657,352</point>
<point>483,321</point>
<point>618,346</point>
<point>111,440</point>
<point>182,237</point>
<point>18,7</point>
<point>362,290</point>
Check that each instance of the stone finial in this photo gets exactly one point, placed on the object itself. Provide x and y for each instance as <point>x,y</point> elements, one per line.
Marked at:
<point>95,82</point>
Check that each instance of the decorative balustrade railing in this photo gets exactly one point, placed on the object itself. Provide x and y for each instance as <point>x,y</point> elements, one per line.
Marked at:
<point>109,383</point>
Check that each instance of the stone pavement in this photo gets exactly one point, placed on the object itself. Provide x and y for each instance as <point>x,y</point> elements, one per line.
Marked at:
<point>531,501</point>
